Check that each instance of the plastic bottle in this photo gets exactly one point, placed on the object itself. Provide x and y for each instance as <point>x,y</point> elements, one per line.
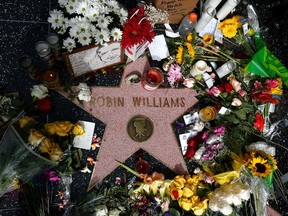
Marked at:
<point>187,24</point>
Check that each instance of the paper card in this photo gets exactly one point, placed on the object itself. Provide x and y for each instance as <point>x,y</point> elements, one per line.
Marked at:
<point>169,31</point>
<point>158,48</point>
<point>183,142</point>
<point>136,51</point>
<point>84,141</point>
<point>189,119</point>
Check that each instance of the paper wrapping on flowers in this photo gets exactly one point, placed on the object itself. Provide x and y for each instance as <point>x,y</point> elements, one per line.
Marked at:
<point>136,51</point>
<point>264,63</point>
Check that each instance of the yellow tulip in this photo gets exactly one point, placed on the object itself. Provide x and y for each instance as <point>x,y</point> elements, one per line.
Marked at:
<point>201,207</point>
<point>179,181</point>
<point>185,203</point>
<point>78,129</point>
<point>187,192</point>
<point>35,137</point>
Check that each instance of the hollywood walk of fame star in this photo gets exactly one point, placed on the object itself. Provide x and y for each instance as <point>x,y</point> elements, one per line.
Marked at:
<point>116,106</point>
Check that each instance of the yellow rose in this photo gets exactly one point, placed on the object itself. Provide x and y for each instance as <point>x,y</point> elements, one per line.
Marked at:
<point>56,153</point>
<point>200,207</point>
<point>61,128</point>
<point>35,137</point>
<point>179,181</point>
<point>16,184</point>
<point>25,120</point>
<point>45,146</point>
<point>78,129</point>
<point>185,203</point>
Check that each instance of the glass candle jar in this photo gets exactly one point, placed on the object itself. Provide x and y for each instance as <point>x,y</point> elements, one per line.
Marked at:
<point>206,17</point>
<point>227,8</point>
<point>44,51</point>
<point>53,40</point>
<point>207,114</point>
<point>51,79</point>
<point>152,78</point>
<point>226,68</point>
<point>27,63</point>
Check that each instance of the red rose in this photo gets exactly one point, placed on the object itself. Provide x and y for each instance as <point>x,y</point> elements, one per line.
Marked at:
<point>45,105</point>
<point>228,87</point>
<point>193,145</point>
<point>259,123</point>
<point>221,87</point>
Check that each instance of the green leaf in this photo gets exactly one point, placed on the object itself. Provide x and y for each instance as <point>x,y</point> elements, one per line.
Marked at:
<point>241,114</point>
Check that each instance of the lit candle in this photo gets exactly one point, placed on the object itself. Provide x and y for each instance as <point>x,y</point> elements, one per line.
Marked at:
<point>206,17</point>
<point>226,68</point>
<point>51,79</point>
<point>152,79</point>
<point>212,3</point>
<point>227,8</point>
<point>207,113</point>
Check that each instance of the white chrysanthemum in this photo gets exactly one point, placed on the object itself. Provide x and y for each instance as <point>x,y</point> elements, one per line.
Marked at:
<point>102,22</point>
<point>61,31</point>
<point>104,9</point>
<point>71,8</point>
<point>92,14</point>
<point>69,44</point>
<point>116,33</point>
<point>84,38</point>
<point>113,5</point>
<point>102,37</point>
<point>56,12</point>
<point>74,32</point>
<point>93,30</point>
<point>81,7</point>
<point>63,3</point>
<point>83,27</point>
<point>56,20</point>
<point>123,15</point>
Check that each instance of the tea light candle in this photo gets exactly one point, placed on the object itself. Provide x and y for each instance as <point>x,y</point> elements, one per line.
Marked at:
<point>152,78</point>
<point>28,64</point>
<point>53,40</point>
<point>207,114</point>
<point>51,79</point>
<point>206,17</point>
<point>44,51</point>
<point>212,3</point>
<point>227,8</point>
<point>226,68</point>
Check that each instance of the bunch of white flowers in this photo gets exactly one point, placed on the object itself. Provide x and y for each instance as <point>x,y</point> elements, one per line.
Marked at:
<point>227,195</point>
<point>88,21</point>
<point>84,93</point>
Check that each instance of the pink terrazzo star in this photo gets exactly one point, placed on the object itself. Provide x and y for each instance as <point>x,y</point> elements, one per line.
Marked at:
<point>115,106</point>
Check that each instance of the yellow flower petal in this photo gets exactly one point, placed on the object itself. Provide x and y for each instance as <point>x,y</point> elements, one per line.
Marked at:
<point>78,129</point>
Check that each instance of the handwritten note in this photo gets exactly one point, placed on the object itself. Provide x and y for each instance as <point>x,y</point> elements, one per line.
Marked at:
<point>158,48</point>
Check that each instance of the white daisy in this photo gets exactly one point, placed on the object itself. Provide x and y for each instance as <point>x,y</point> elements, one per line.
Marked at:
<point>61,31</point>
<point>81,7</point>
<point>62,3</point>
<point>69,44</point>
<point>84,38</point>
<point>113,5</point>
<point>71,8</point>
<point>74,31</point>
<point>116,33</point>
<point>75,20</point>
<point>102,37</point>
<point>123,14</point>
<point>55,11</point>
<point>55,20</point>
<point>102,22</point>
<point>83,27</point>
<point>92,14</point>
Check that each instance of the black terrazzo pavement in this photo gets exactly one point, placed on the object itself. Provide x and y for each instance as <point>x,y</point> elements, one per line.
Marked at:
<point>23,23</point>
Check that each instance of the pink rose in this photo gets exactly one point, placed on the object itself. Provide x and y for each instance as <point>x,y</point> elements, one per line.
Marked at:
<point>236,102</point>
<point>242,92</point>
<point>236,85</point>
<point>189,83</point>
<point>215,91</point>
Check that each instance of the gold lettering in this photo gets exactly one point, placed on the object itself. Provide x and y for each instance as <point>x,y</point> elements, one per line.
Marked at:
<point>182,103</point>
<point>175,103</point>
<point>166,102</point>
<point>148,104</point>
<point>120,102</point>
<point>154,102</point>
<point>109,102</point>
<point>100,101</point>
<point>136,101</point>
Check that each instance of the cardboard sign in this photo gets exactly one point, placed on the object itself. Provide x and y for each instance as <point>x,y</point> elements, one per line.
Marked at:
<point>176,9</point>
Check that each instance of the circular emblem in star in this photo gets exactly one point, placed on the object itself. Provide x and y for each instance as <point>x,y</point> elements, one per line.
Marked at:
<point>140,128</point>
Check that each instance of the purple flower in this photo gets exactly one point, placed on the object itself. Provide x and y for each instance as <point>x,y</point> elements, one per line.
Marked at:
<point>205,136</point>
<point>52,176</point>
<point>219,130</point>
<point>215,146</point>
<point>208,155</point>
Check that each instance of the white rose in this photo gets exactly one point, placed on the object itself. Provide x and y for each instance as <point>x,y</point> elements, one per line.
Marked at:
<point>225,208</point>
<point>199,152</point>
<point>189,82</point>
<point>236,102</point>
<point>39,91</point>
<point>245,192</point>
<point>213,204</point>
<point>262,146</point>
<point>84,95</point>
<point>101,210</point>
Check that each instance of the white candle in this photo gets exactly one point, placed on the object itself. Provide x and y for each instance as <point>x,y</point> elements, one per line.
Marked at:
<point>211,3</point>
<point>226,68</point>
<point>206,17</point>
<point>227,8</point>
<point>198,68</point>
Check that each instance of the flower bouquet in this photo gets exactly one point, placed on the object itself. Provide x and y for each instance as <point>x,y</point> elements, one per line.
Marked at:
<point>87,22</point>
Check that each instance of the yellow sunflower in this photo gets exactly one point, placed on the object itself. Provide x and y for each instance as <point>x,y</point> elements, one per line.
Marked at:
<point>189,38</point>
<point>260,167</point>
<point>229,31</point>
<point>272,161</point>
<point>190,48</point>
<point>179,55</point>
<point>208,38</point>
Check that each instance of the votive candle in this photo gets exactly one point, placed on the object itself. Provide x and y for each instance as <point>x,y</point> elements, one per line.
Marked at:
<point>226,68</point>
<point>44,51</point>
<point>51,79</point>
<point>152,78</point>
<point>206,17</point>
<point>227,8</point>
<point>207,114</point>
<point>53,40</point>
